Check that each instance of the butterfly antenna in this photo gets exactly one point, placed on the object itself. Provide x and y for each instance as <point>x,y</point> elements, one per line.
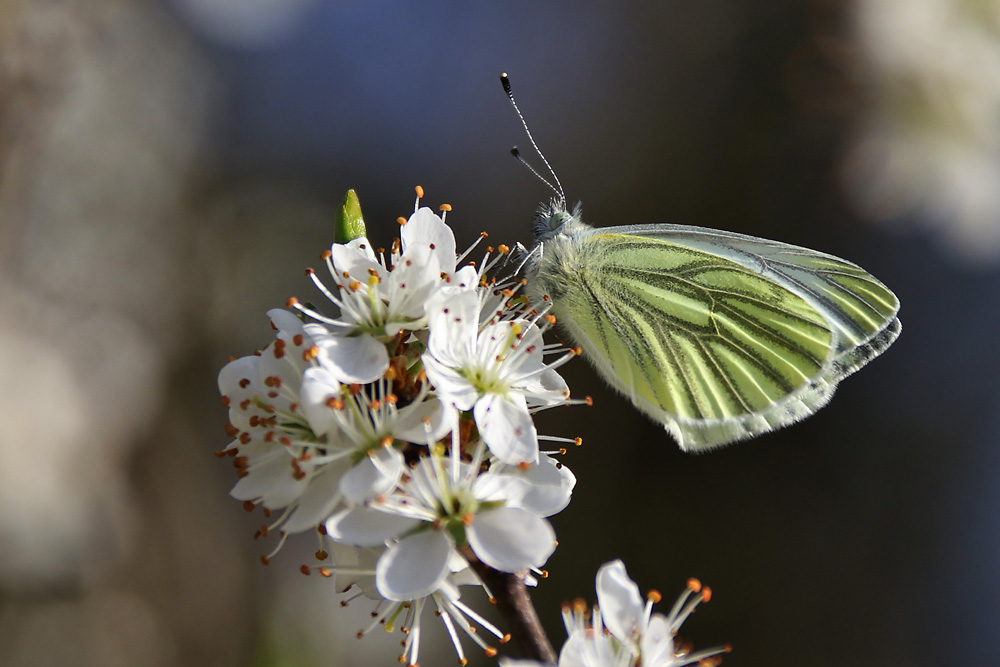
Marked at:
<point>517,156</point>
<point>557,188</point>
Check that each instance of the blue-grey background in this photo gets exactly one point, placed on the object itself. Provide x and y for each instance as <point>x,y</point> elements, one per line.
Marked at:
<point>168,169</point>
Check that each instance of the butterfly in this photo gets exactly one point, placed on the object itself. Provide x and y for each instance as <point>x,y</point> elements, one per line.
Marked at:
<point>718,336</point>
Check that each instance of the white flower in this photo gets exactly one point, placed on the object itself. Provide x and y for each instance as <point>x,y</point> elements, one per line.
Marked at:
<point>443,507</point>
<point>355,568</point>
<point>495,370</point>
<point>378,300</point>
<point>622,631</point>
<point>272,433</point>
<point>304,442</point>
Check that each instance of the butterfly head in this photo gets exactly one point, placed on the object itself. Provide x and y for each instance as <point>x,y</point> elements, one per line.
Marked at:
<point>553,218</point>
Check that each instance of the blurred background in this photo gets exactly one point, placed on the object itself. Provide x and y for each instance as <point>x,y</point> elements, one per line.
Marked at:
<point>168,168</point>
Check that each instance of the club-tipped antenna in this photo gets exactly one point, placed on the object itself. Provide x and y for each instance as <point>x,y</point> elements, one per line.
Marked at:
<point>557,188</point>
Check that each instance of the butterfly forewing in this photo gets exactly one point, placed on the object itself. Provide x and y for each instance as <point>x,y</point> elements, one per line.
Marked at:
<point>857,305</point>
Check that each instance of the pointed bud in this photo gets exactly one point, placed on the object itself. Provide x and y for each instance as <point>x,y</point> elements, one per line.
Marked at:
<point>350,225</point>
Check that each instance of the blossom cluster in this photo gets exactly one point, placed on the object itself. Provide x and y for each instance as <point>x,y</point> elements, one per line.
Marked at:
<point>400,431</point>
<point>623,631</point>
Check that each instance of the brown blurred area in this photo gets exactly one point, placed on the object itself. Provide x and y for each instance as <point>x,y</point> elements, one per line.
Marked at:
<point>110,508</point>
<point>168,169</point>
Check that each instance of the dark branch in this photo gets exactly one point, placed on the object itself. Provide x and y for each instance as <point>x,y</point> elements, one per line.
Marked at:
<point>515,606</point>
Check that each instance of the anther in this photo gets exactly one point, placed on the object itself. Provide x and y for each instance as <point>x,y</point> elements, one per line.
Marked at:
<point>305,570</point>
<point>420,192</point>
<point>290,303</point>
<point>444,207</point>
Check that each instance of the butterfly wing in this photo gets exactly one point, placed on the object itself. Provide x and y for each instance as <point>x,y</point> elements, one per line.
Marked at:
<point>719,336</point>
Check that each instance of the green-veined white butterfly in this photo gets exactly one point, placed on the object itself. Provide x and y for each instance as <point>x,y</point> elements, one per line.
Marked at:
<point>718,336</point>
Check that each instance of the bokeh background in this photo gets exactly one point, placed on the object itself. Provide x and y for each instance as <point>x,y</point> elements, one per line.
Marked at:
<point>169,167</point>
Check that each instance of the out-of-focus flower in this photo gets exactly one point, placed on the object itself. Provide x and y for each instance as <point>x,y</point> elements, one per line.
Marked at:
<point>622,631</point>
<point>929,147</point>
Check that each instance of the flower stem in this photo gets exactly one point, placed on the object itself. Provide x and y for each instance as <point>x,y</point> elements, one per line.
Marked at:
<point>515,606</point>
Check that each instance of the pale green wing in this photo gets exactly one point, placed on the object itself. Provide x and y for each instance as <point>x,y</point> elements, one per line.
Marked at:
<point>720,336</point>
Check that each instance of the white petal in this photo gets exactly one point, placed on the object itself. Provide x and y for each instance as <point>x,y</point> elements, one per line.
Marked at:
<point>506,427</point>
<point>583,649</point>
<point>544,490</point>
<point>453,320</point>
<point>366,527</point>
<point>529,347</point>
<point>511,539</point>
<point>448,384</point>
<point>318,500</point>
<point>319,385</point>
<point>272,480</point>
<point>465,278</point>
<point>414,278</point>
<point>238,377</point>
<point>658,643</point>
<point>351,359</point>
<point>368,479</point>
<point>424,422</point>
<point>415,567</point>
<point>546,388</point>
<point>356,259</point>
<point>285,322</point>
<point>277,361</point>
<point>620,602</point>
<point>426,228</point>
